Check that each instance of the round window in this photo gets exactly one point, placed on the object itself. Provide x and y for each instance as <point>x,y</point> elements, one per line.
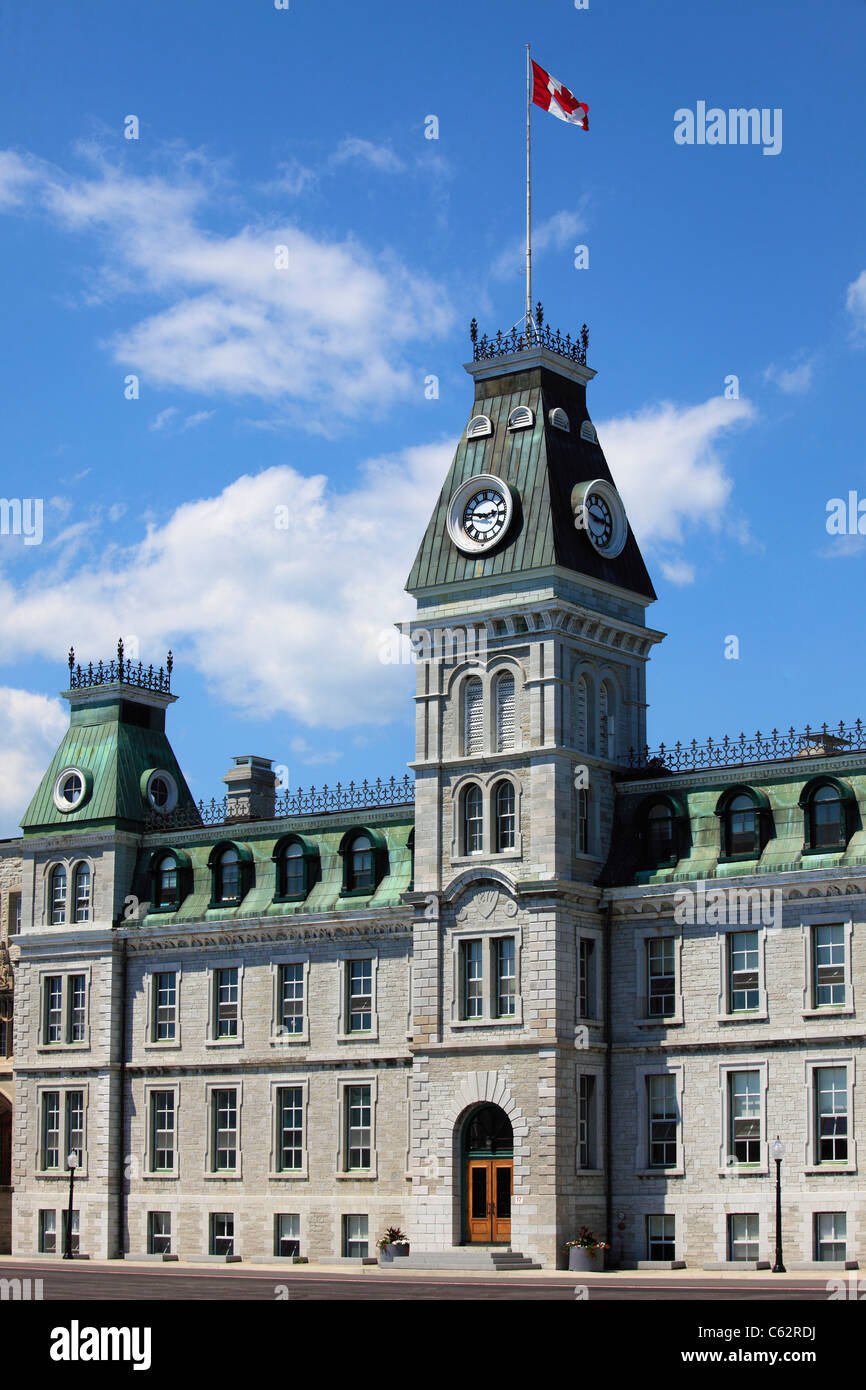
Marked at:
<point>70,789</point>
<point>161,791</point>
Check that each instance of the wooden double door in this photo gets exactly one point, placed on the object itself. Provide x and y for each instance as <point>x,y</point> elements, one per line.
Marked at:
<point>488,1200</point>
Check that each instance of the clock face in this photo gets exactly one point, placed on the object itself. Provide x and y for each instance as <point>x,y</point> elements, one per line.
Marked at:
<point>599,512</point>
<point>599,520</point>
<point>484,516</point>
<point>480,513</point>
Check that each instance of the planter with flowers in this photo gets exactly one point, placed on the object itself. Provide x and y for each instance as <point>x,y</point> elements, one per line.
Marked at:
<point>585,1252</point>
<point>392,1245</point>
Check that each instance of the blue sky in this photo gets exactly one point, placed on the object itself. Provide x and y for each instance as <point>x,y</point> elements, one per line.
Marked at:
<point>303,387</point>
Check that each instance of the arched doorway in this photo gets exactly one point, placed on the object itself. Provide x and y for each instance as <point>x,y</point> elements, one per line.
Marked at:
<point>488,1172</point>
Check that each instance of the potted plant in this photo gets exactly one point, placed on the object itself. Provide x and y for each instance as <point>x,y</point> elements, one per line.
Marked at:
<point>392,1243</point>
<point>586,1251</point>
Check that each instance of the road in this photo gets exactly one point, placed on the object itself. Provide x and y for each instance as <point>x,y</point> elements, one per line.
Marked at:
<point>78,1282</point>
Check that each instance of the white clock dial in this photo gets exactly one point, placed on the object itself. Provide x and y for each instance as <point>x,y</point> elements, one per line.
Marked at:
<point>599,512</point>
<point>479,513</point>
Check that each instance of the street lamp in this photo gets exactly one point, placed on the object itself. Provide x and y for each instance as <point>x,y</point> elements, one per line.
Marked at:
<point>72,1164</point>
<point>778,1155</point>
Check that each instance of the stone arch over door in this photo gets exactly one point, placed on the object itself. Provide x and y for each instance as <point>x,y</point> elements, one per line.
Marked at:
<point>470,1090</point>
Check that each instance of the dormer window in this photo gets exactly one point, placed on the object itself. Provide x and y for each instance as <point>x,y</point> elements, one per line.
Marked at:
<point>745,823</point>
<point>365,856</point>
<point>521,418</point>
<point>559,420</point>
<point>587,431</point>
<point>829,812</point>
<point>297,861</point>
<point>663,828</point>
<point>170,879</point>
<point>479,427</point>
<point>231,870</point>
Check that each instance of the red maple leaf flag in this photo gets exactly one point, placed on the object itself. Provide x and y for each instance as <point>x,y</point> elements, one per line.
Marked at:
<point>558,100</point>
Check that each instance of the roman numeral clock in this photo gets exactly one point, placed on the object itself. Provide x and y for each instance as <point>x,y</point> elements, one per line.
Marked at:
<point>480,513</point>
<point>599,512</point>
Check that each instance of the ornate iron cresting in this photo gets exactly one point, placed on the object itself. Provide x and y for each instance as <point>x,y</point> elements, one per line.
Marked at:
<point>109,672</point>
<point>822,742</point>
<point>527,338</point>
<point>353,796</point>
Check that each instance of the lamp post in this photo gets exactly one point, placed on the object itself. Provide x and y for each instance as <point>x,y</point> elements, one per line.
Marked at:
<point>778,1155</point>
<point>72,1164</point>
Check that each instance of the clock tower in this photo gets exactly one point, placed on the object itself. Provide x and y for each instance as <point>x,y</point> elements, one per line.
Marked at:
<point>532,646</point>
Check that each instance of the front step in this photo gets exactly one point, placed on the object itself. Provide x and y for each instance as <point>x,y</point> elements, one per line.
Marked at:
<point>500,1260</point>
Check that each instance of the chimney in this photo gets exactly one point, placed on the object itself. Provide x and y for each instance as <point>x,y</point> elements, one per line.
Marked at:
<point>251,788</point>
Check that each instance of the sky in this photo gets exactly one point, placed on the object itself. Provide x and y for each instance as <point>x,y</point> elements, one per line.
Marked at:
<point>232,259</point>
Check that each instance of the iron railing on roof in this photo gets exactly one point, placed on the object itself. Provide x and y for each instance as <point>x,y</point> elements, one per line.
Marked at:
<point>822,742</point>
<point>351,796</point>
<point>110,672</point>
<point>526,337</point>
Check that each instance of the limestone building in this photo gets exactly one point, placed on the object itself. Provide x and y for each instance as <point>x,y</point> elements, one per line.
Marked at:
<point>549,980</point>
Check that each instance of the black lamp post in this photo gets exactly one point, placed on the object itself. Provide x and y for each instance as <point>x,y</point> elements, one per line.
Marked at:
<point>778,1155</point>
<point>72,1164</point>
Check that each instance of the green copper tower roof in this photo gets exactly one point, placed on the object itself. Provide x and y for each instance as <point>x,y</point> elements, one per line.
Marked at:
<point>542,466</point>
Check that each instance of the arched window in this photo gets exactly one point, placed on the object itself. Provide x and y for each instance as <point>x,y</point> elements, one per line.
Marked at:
<point>745,822</point>
<point>297,861</point>
<point>228,876</point>
<point>505,817</point>
<point>660,825</point>
<point>829,809</point>
<point>365,860</point>
<point>165,885</point>
<point>81,893</point>
<point>581,714</point>
<point>582,837</point>
<point>473,820</point>
<point>57,895</point>
<point>505,712</point>
<point>607,720</point>
<point>473,716</point>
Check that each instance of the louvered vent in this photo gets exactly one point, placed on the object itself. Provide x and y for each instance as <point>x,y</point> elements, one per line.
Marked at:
<point>587,431</point>
<point>504,713</point>
<point>521,418</point>
<point>559,419</point>
<point>581,714</point>
<point>479,426</point>
<point>473,717</point>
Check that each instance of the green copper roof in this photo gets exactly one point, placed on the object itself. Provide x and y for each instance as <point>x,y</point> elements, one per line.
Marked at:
<point>542,466</point>
<point>116,754</point>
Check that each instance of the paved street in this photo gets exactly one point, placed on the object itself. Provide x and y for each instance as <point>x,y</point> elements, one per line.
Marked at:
<point>114,1281</point>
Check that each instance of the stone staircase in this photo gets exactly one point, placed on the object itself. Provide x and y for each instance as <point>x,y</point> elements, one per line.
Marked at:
<point>496,1258</point>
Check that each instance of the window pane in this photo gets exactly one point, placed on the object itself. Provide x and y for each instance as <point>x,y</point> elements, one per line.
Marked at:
<point>225,1129</point>
<point>287,1234</point>
<point>77,1008</point>
<point>662,1114</point>
<point>291,998</point>
<point>743,1237</point>
<point>51,1129</point>
<point>360,995</point>
<point>661,1243</point>
<point>473,979</point>
<point>831,1097</point>
<point>159,1232</point>
<point>473,717</point>
<point>831,1235</point>
<point>473,817</point>
<point>58,896</point>
<point>743,971</point>
<point>222,1226</point>
<point>82,893</point>
<point>745,1116</point>
<point>226,985</point>
<point>504,713</point>
<point>506,986</point>
<point>829,965</point>
<point>661,976</point>
<point>291,1133</point>
<point>355,1236</point>
<point>162,1130</point>
<point>358,1126</point>
<point>165,1005</point>
<point>54,1009</point>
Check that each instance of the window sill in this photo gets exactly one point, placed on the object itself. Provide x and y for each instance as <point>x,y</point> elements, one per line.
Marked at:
<point>830,1170</point>
<point>48,1048</point>
<point>507,1021</point>
<point>289,1039</point>
<point>296,1175</point>
<point>227,1176</point>
<point>357,892</point>
<point>662,1173</point>
<point>368,1036</point>
<point>751,858</point>
<point>224,1042</point>
<point>745,1170</point>
<point>661,1021</point>
<point>360,1176</point>
<point>823,849</point>
<point>59,1175</point>
<point>163,1045</point>
<point>170,1175</point>
<point>752,1016</point>
<point>830,1011</point>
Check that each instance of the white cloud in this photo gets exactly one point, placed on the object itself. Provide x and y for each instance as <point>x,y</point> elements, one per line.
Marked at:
<point>278,620</point>
<point>322,339</point>
<point>678,571</point>
<point>855,301</point>
<point>353,150</point>
<point>555,234</point>
<point>311,756</point>
<point>31,727</point>
<point>791,380</point>
<point>160,421</point>
<point>666,466</point>
<point>198,418</point>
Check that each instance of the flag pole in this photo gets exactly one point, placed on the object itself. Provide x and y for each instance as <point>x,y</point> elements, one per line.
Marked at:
<point>528,199</point>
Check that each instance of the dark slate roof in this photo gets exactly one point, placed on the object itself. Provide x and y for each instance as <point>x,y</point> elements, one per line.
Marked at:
<point>542,465</point>
<point>117,754</point>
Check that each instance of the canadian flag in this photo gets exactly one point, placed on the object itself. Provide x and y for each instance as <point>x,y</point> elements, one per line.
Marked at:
<point>558,100</point>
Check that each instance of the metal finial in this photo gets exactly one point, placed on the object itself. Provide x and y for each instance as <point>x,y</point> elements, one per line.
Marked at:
<point>71,659</point>
<point>584,339</point>
<point>120,650</point>
<point>169,663</point>
<point>473,331</point>
<point>539,314</point>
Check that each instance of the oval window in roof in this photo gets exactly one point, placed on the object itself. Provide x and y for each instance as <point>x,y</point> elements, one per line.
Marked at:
<point>559,419</point>
<point>520,418</point>
<point>479,426</point>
